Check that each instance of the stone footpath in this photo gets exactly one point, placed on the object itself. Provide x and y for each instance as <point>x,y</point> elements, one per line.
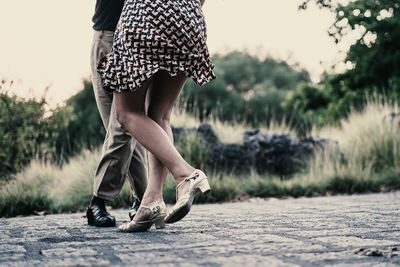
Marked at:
<point>362,230</point>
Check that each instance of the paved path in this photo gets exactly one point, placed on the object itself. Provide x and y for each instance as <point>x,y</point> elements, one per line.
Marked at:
<point>345,230</point>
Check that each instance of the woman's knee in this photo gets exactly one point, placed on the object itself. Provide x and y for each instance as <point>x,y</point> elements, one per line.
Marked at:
<point>129,104</point>
<point>125,116</point>
<point>122,116</point>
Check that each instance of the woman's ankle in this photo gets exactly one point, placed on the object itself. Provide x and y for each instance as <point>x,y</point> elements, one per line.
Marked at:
<point>183,174</point>
<point>152,199</point>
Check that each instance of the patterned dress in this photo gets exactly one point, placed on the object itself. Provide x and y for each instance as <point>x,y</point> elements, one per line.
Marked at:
<point>155,35</point>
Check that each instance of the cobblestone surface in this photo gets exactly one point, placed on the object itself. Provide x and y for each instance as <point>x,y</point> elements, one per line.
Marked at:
<point>361,230</point>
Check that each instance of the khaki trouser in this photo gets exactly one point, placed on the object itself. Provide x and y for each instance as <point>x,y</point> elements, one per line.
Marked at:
<point>122,156</point>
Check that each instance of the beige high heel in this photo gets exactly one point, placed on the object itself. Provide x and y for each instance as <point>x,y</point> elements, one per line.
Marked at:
<point>198,182</point>
<point>157,215</point>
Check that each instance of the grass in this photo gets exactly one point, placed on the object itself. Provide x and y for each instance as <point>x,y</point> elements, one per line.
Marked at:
<point>367,138</point>
<point>46,187</point>
<point>192,150</point>
<point>367,161</point>
<point>226,132</point>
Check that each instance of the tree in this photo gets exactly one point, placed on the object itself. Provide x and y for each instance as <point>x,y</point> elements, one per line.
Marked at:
<point>82,127</point>
<point>247,89</point>
<point>21,130</point>
<point>28,130</point>
<point>375,54</point>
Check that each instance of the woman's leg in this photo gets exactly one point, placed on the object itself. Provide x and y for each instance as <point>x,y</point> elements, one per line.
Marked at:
<point>150,134</point>
<point>162,97</point>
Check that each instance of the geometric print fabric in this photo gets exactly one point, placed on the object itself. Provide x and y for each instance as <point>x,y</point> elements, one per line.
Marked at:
<point>155,35</point>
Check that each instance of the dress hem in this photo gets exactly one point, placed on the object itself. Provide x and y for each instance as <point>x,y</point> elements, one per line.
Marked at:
<point>151,73</point>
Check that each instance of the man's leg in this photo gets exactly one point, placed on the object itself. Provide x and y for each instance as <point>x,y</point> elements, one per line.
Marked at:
<point>102,44</point>
<point>121,154</point>
<point>137,172</point>
<point>118,145</point>
<point>137,175</point>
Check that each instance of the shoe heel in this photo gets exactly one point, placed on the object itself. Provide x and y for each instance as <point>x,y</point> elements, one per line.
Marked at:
<point>204,186</point>
<point>90,220</point>
<point>159,223</point>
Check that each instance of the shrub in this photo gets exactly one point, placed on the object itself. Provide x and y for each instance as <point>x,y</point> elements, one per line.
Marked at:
<point>21,130</point>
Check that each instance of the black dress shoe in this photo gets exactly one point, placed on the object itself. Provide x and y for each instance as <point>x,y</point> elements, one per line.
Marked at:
<point>134,209</point>
<point>97,215</point>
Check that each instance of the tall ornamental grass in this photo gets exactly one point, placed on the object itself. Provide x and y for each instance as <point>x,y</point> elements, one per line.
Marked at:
<point>371,138</point>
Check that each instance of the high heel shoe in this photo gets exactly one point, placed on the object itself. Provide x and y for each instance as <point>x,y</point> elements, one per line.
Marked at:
<point>198,182</point>
<point>157,214</point>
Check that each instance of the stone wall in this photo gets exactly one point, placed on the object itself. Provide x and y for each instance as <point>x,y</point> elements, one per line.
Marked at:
<point>278,154</point>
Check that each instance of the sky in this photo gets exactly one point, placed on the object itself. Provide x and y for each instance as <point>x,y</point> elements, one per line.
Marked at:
<point>46,43</point>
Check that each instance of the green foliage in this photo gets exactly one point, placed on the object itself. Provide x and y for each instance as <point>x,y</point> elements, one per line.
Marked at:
<point>26,194</point>
<point>309,103</point>
<point>23,201</point>
<point>305,98</point>
<point>374,56</point>
<point>76,126</point>
<point>21,130</point>
<point>376,53</point>
<point>247,89</point>
<point>193,150</point>
<point>27,130</point>
<point>370,138</point>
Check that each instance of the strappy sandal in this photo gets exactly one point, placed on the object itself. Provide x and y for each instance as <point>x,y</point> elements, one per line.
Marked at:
<point>157,215</point>
<point>198,183</point>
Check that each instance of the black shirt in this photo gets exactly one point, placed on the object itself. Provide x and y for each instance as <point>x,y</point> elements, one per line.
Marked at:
<point>107,14</point>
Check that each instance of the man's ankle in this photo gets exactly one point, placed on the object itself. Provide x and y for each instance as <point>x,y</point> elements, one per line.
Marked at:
<point>96,200</point>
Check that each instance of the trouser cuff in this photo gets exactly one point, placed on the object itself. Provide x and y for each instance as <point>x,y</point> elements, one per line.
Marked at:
<point>105,197</point>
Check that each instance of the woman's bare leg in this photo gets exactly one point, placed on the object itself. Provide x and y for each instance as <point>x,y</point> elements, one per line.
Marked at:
<point>162,98</point>
<point>150,134</point>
